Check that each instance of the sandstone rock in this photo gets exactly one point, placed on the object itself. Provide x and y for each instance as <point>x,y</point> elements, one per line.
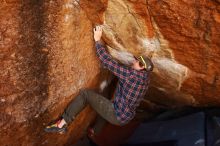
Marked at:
<point>47,55</point>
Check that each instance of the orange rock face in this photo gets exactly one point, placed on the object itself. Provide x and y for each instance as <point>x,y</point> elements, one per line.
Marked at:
<point>47,55</point>
<point>192,32</point>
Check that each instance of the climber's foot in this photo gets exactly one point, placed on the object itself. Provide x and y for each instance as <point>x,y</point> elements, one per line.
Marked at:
<point>54,128</point>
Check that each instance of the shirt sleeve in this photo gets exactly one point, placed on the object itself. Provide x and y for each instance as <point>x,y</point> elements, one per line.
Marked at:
<point>108,62</point>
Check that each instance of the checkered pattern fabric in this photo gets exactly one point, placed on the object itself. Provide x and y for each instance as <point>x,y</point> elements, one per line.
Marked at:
<point>131,87</point>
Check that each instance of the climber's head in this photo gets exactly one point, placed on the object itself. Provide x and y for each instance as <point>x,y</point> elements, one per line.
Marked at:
<point>142,63</point>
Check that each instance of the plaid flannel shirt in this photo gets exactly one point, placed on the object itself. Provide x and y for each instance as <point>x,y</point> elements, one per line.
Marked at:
<point>131,87</point>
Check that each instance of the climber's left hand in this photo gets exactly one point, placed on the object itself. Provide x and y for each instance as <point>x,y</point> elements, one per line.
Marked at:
<point>97,33</point>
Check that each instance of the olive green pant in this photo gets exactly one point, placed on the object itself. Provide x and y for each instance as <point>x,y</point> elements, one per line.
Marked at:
<point>100,104</point>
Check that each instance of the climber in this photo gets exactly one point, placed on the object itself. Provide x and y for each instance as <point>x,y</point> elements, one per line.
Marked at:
<point>131,88</point>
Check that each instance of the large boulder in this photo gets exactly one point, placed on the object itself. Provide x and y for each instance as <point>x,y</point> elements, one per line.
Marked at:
<point>47,55</point>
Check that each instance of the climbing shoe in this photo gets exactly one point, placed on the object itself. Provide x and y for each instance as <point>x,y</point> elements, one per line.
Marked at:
<point>90,132</point>
<point>53,128</point>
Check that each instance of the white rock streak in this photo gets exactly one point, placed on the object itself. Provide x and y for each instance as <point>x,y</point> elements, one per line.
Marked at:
<point>150,44</point>
<point>123,56</point>
<point>171,69</point>
<point>66,17</point>
<point>103,85</point>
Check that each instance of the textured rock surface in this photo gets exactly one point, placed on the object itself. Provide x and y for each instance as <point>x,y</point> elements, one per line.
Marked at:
<point>47,55</point>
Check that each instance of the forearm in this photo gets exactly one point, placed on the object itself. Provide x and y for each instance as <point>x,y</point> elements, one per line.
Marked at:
<point>112,65</point>
<point>106,59</point>
<point>101,52</point>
